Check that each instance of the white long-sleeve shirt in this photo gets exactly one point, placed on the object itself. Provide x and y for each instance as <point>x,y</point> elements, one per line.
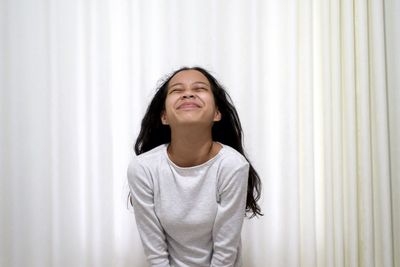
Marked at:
<point>193,216</point>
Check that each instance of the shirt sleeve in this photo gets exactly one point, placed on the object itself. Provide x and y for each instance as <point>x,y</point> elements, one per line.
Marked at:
<point>150,229</point>
<point>230,214</point>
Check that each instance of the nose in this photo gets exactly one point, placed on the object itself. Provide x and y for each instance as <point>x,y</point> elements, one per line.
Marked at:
<point>187,96</point>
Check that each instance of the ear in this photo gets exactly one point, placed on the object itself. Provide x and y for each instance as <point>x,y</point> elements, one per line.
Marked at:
<point>164,118</point>
<point>217,115</point>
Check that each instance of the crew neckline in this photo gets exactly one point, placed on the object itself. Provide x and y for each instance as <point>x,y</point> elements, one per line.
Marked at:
<point>195,166</point>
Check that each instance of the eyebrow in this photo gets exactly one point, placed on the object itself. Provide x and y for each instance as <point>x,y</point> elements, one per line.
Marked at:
<point>175,84</point>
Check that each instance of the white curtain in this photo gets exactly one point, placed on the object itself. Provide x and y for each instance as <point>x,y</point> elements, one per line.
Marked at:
<point>316,84</point>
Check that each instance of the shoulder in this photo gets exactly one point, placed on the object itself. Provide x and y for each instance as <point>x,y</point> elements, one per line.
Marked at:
<point>233,169</point>
<point>142,164</point>
<point>232,159</point>
<point>149,157</point>
<point>233,166</point>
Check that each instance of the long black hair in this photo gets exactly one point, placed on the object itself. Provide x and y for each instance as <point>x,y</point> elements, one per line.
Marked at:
<point>227,131</point>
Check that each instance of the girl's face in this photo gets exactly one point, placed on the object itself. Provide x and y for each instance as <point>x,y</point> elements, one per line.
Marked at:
<point>189,100</point>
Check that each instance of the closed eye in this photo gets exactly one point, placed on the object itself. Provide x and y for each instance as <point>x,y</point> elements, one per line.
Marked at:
<point>200,88</point>
<point>175,90</point>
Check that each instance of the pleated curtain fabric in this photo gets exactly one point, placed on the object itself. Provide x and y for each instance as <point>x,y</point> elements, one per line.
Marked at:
<point>315,84</point>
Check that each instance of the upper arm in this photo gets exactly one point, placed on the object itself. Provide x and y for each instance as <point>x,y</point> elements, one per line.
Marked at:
<point>150,229</point>
<point>230,215</point>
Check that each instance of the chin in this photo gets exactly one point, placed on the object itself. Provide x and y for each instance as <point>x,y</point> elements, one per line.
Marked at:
<point>195,123</point>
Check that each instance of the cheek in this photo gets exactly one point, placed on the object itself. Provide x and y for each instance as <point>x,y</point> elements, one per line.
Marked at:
<point>210,101</point>
<point>169,104</point>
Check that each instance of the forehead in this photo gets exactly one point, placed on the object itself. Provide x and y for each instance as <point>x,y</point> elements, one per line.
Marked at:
<point>188,77</point>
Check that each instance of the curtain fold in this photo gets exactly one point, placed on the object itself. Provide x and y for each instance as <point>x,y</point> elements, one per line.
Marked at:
<point>315,84</point>
<point>392,64</point>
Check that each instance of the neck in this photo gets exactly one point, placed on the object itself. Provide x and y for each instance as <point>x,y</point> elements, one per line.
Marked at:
<point>190,148</point>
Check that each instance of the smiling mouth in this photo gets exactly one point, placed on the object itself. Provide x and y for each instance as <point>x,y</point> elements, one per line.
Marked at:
<point>188,106</point>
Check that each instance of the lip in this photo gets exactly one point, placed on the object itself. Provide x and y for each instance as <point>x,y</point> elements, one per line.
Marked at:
<point>188,105</point>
